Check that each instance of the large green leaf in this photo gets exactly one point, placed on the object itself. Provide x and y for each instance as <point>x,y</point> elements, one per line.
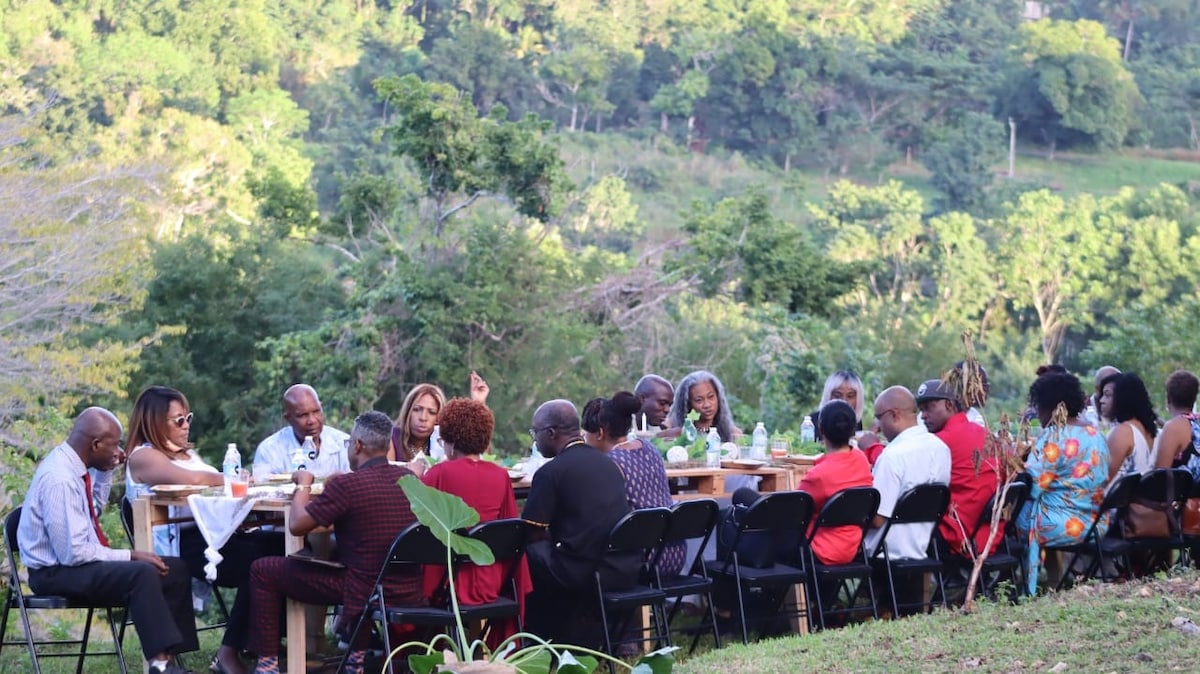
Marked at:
<point>425,664</point>
<point>538,663</point>
<point>658,662</point>
<point>445,514</point>
<point>569,664</point>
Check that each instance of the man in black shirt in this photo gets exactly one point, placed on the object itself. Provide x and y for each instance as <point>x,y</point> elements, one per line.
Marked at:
<point>574,502</point>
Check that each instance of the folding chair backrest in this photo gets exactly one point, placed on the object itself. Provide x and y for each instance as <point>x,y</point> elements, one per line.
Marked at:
<point>692,519</point>
<point>417,545</point>
<point>922,503</point>
<point>855,506</point>
<point>639,530</point>
<point>1013,499</point>
<point>1120,492</point>
<point>1164,484</point>
<point>127,517</point>
<point>778,511</point>
<point>11,522</point>
<point>505,538</point>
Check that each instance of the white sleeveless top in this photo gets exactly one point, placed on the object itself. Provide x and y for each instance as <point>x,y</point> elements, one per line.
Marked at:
<point>1140,460</point>
<point>166,536</point>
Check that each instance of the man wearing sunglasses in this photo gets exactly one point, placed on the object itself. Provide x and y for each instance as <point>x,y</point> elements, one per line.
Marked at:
<point>305,418</point>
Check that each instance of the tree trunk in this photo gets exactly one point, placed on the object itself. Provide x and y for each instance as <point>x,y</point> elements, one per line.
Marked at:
<point>1012,148</point>
<point>1053,144</point>
<point>574,116</point>
<point>691,124</point>
<point>1128,40</point>
<point>662,122</point>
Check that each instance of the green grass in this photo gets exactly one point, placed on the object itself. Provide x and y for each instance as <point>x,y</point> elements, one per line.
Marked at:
<point>1125,627</point>
<point>665,179</point>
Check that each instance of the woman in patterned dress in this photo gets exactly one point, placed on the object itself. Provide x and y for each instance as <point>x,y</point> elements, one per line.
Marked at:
<point>606,425</point>
<point>1069,465</point>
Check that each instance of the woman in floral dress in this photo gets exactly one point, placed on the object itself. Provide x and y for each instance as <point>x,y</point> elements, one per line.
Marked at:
<point>1069,465</point>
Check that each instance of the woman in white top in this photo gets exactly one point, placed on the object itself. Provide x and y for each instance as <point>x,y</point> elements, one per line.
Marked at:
<point>1125,400</point>
<point>158,433</point>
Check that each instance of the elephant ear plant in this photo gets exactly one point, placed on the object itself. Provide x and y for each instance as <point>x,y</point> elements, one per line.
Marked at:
<point>446,515</point>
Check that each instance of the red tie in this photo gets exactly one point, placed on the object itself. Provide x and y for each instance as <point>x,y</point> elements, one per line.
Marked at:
<point>87,484</point>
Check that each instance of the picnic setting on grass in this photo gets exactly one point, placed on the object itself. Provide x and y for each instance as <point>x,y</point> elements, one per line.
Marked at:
<point>638,521</point>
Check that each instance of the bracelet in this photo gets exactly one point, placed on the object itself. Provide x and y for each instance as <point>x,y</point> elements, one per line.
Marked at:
<point>305,487</point>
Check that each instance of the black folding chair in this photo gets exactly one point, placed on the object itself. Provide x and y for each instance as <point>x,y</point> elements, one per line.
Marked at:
<point>1003,563</point>
<point>778,514</point>
<point>640,531</point>
<point>1102,550</point>
<point>690,520</point>
<point>506,539</point>
<point>1192,541</point>
<point>854,507</point>
<point>1168,487</point>
<point>923,504</point>
<point>413,547</point>
<point>24,603</point>
<point>215,590</point>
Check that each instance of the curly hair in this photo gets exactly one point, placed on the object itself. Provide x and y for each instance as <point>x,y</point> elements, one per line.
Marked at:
<point>1056,387</point>
<point>1131,400</point>
<point>1182,389</point>
<point>614,415</point>
<point>400,435</point>
<point>148,421</point>
<point>838,422</point>
<point>467,424</point>
<point>682,405</point>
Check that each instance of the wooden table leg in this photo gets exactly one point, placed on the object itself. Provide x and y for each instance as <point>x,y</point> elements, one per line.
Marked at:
<point>796,600</point>
<point>297,659</point>
<point>143,529</point>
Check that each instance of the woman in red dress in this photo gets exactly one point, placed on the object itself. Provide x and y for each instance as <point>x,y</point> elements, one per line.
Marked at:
<point>466,433</point>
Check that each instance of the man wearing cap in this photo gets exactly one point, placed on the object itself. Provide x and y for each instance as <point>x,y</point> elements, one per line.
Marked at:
<point>970,488</point>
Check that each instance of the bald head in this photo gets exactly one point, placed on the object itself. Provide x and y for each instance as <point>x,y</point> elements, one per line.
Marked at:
<point>656,394</point>
<point>555,423</point>
<point>303,412</point>
<point>1103,373</point>
<point>298,393</point>
<point>96,437</point>
<point>895,411</point>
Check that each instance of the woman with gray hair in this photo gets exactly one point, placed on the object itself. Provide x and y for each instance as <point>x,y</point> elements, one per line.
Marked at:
<point>703,392</point>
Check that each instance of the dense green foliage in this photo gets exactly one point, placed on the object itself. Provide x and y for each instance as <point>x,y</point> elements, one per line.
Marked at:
<point>230,197</point>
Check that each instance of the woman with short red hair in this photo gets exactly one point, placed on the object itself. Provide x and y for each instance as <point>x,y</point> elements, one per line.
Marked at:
<point>465,428</point>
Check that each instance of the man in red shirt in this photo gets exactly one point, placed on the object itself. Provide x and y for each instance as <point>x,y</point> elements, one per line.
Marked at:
<point>970,489</point>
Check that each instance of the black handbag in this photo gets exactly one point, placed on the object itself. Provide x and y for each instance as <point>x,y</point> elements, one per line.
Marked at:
<point>755,549</point>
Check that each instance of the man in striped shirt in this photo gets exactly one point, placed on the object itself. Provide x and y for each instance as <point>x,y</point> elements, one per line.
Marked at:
<point>67,554</point>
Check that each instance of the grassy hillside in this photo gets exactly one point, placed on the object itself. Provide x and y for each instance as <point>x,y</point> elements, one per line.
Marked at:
<point>666,179</point>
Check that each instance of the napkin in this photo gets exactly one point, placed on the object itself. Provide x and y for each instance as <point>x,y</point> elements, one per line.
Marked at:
<point>218,517</point>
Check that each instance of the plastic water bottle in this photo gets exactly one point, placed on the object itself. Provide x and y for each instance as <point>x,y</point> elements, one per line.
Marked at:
<point>758,449</point>
<point>808,432</point>
<point>689,431</point>
<point>536,460</point>
<point>435,448</point>
<point>231,466</point>
<point>1092,417</point>
<point>712,449</point>
<point>298,457</point>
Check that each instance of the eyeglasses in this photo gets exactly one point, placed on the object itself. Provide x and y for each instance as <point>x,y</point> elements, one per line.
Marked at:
<point>185,419</point>
<point>879,415</point>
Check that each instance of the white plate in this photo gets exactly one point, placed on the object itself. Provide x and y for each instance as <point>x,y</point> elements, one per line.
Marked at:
<point>748,463</point>
<point>177,489</point>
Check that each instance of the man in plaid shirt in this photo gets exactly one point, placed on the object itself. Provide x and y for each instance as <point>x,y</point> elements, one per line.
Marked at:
<point>367,510</point>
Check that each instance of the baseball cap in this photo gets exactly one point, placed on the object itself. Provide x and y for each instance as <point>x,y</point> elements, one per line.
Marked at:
<point>935,389</point>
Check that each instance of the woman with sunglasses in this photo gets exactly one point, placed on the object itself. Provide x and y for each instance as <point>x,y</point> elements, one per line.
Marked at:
<point>161,454</point>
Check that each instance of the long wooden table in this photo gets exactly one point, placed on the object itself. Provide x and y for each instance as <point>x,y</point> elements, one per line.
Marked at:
<point>151,510</point>
<point>704,482</point>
